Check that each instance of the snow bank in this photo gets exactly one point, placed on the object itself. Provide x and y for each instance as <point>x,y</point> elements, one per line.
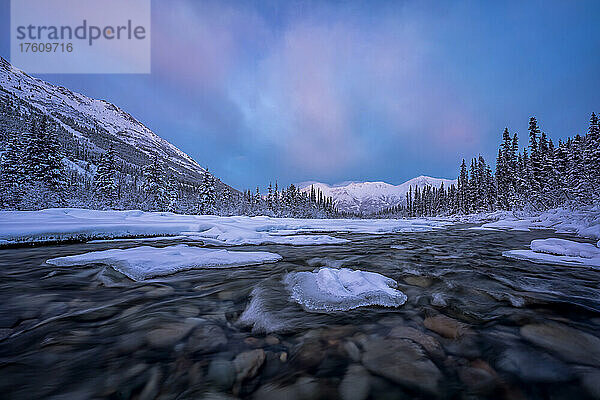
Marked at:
<point>329,289</point>
<point>140,263</point>
<point>64,224</point>
<point>583,221</point>
<point>559,252</point>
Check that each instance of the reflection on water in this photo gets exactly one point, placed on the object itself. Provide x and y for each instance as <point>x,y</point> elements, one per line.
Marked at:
<point>475,325</point>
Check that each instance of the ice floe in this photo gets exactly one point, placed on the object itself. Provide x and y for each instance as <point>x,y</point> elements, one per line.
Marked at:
<point>65,224</point>
<point>144,262</point>
<point>559,252</point>
<point>329,289</point>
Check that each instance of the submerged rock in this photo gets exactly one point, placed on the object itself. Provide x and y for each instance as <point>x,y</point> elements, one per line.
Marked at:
<point>304,388</point>
<point>420,281</point>
<point>568,343</point>
<point>222,373</point>
<point>429,343</point>
<point>356,384</point>
<point>207,338</point>
<point>533,366</point>
<point>168,334</point>
<point>445,326</point>
<point>403,362</point>
<point>248,363</point>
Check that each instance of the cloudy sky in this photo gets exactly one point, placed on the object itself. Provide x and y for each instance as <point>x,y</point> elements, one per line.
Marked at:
<point>349,90</point>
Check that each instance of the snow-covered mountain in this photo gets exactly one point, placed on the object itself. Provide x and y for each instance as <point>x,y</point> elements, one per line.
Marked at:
<point>91,126</point>
<point>370,197</point>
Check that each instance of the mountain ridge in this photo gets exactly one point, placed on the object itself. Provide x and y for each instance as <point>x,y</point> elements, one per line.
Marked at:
<point>95,125</point>
<point>371,197</point>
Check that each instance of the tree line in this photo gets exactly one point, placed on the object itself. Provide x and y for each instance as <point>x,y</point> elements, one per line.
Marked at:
<point>541,176</point>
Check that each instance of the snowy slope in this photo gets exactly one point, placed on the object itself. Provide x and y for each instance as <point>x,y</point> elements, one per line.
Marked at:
<point>79,115</point>
<point>370,197</point>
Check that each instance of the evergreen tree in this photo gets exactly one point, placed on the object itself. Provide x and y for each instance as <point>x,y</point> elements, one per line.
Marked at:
<point>154,185</point>
<point>105,180</point>
<point>208,194</point>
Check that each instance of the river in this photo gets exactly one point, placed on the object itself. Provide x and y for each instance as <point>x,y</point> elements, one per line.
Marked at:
<point>475,325</point>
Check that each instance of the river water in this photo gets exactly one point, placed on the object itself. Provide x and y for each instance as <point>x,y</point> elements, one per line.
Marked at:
<point>475,325</point>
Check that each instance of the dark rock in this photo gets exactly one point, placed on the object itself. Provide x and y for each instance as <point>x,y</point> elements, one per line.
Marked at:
<point>403,362</point>
<point>420,281</point>
<point>478,380</point>
<point>222,373</point>
<point>356,384</point>
<point>590,381</point>
<point>429,343</point>
<point>568,343</point>
<point>445,326</point>
<point>248,363</point>
<point>304,388</point>
<point>207,338</point>
<point>308,354</point>
<point>533,366</point>
<point>168,334</point>
<point>352,350</point>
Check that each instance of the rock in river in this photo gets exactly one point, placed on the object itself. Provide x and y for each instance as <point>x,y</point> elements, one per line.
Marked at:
<point>403,362</point>
<point>445,326</point>
<point>568,343</point>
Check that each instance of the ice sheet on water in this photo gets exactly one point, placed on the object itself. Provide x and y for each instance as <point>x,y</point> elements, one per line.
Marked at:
<point>144,262</point>
<point>330,289</point>
<point>562,247</point>
<point>559,252</point>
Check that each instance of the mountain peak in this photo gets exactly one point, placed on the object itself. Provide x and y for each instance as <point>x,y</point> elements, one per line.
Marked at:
<point>371,196</point>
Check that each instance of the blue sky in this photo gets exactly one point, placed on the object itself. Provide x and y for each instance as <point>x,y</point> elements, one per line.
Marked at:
<point>345,90</point>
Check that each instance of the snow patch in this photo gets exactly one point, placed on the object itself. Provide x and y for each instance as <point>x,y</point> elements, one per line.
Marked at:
<point>559,252</point>
<point>65,224</point>
<point>144,262</point>
<point>329,289</point>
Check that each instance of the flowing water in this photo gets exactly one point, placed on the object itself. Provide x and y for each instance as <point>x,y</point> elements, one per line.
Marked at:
<point>475,325</point>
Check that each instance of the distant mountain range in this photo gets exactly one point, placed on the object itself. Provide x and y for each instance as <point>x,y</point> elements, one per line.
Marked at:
<point>370,197</point>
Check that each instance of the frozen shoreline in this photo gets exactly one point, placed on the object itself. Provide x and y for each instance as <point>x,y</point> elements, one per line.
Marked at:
<point>68,224</point>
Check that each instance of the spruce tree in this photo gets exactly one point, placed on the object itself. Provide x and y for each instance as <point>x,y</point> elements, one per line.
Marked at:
<point>105,180</point>
<point>154,185</point>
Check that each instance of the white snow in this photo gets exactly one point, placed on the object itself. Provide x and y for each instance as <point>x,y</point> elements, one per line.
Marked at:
<point>582,220</point>
<point>369,197</point>
<point>329,289</point>
<point>64,224</point>
<point>144,262</point>
<point>559,252</point>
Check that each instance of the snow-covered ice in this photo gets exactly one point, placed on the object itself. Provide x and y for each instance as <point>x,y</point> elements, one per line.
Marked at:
<point>559,252</point>
<point>64,224</point>
<point>583,221</point>
<point>144,262</point>
<point>329,289</point>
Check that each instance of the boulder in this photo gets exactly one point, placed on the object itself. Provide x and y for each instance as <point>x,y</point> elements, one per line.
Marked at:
<point>403,362</point>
